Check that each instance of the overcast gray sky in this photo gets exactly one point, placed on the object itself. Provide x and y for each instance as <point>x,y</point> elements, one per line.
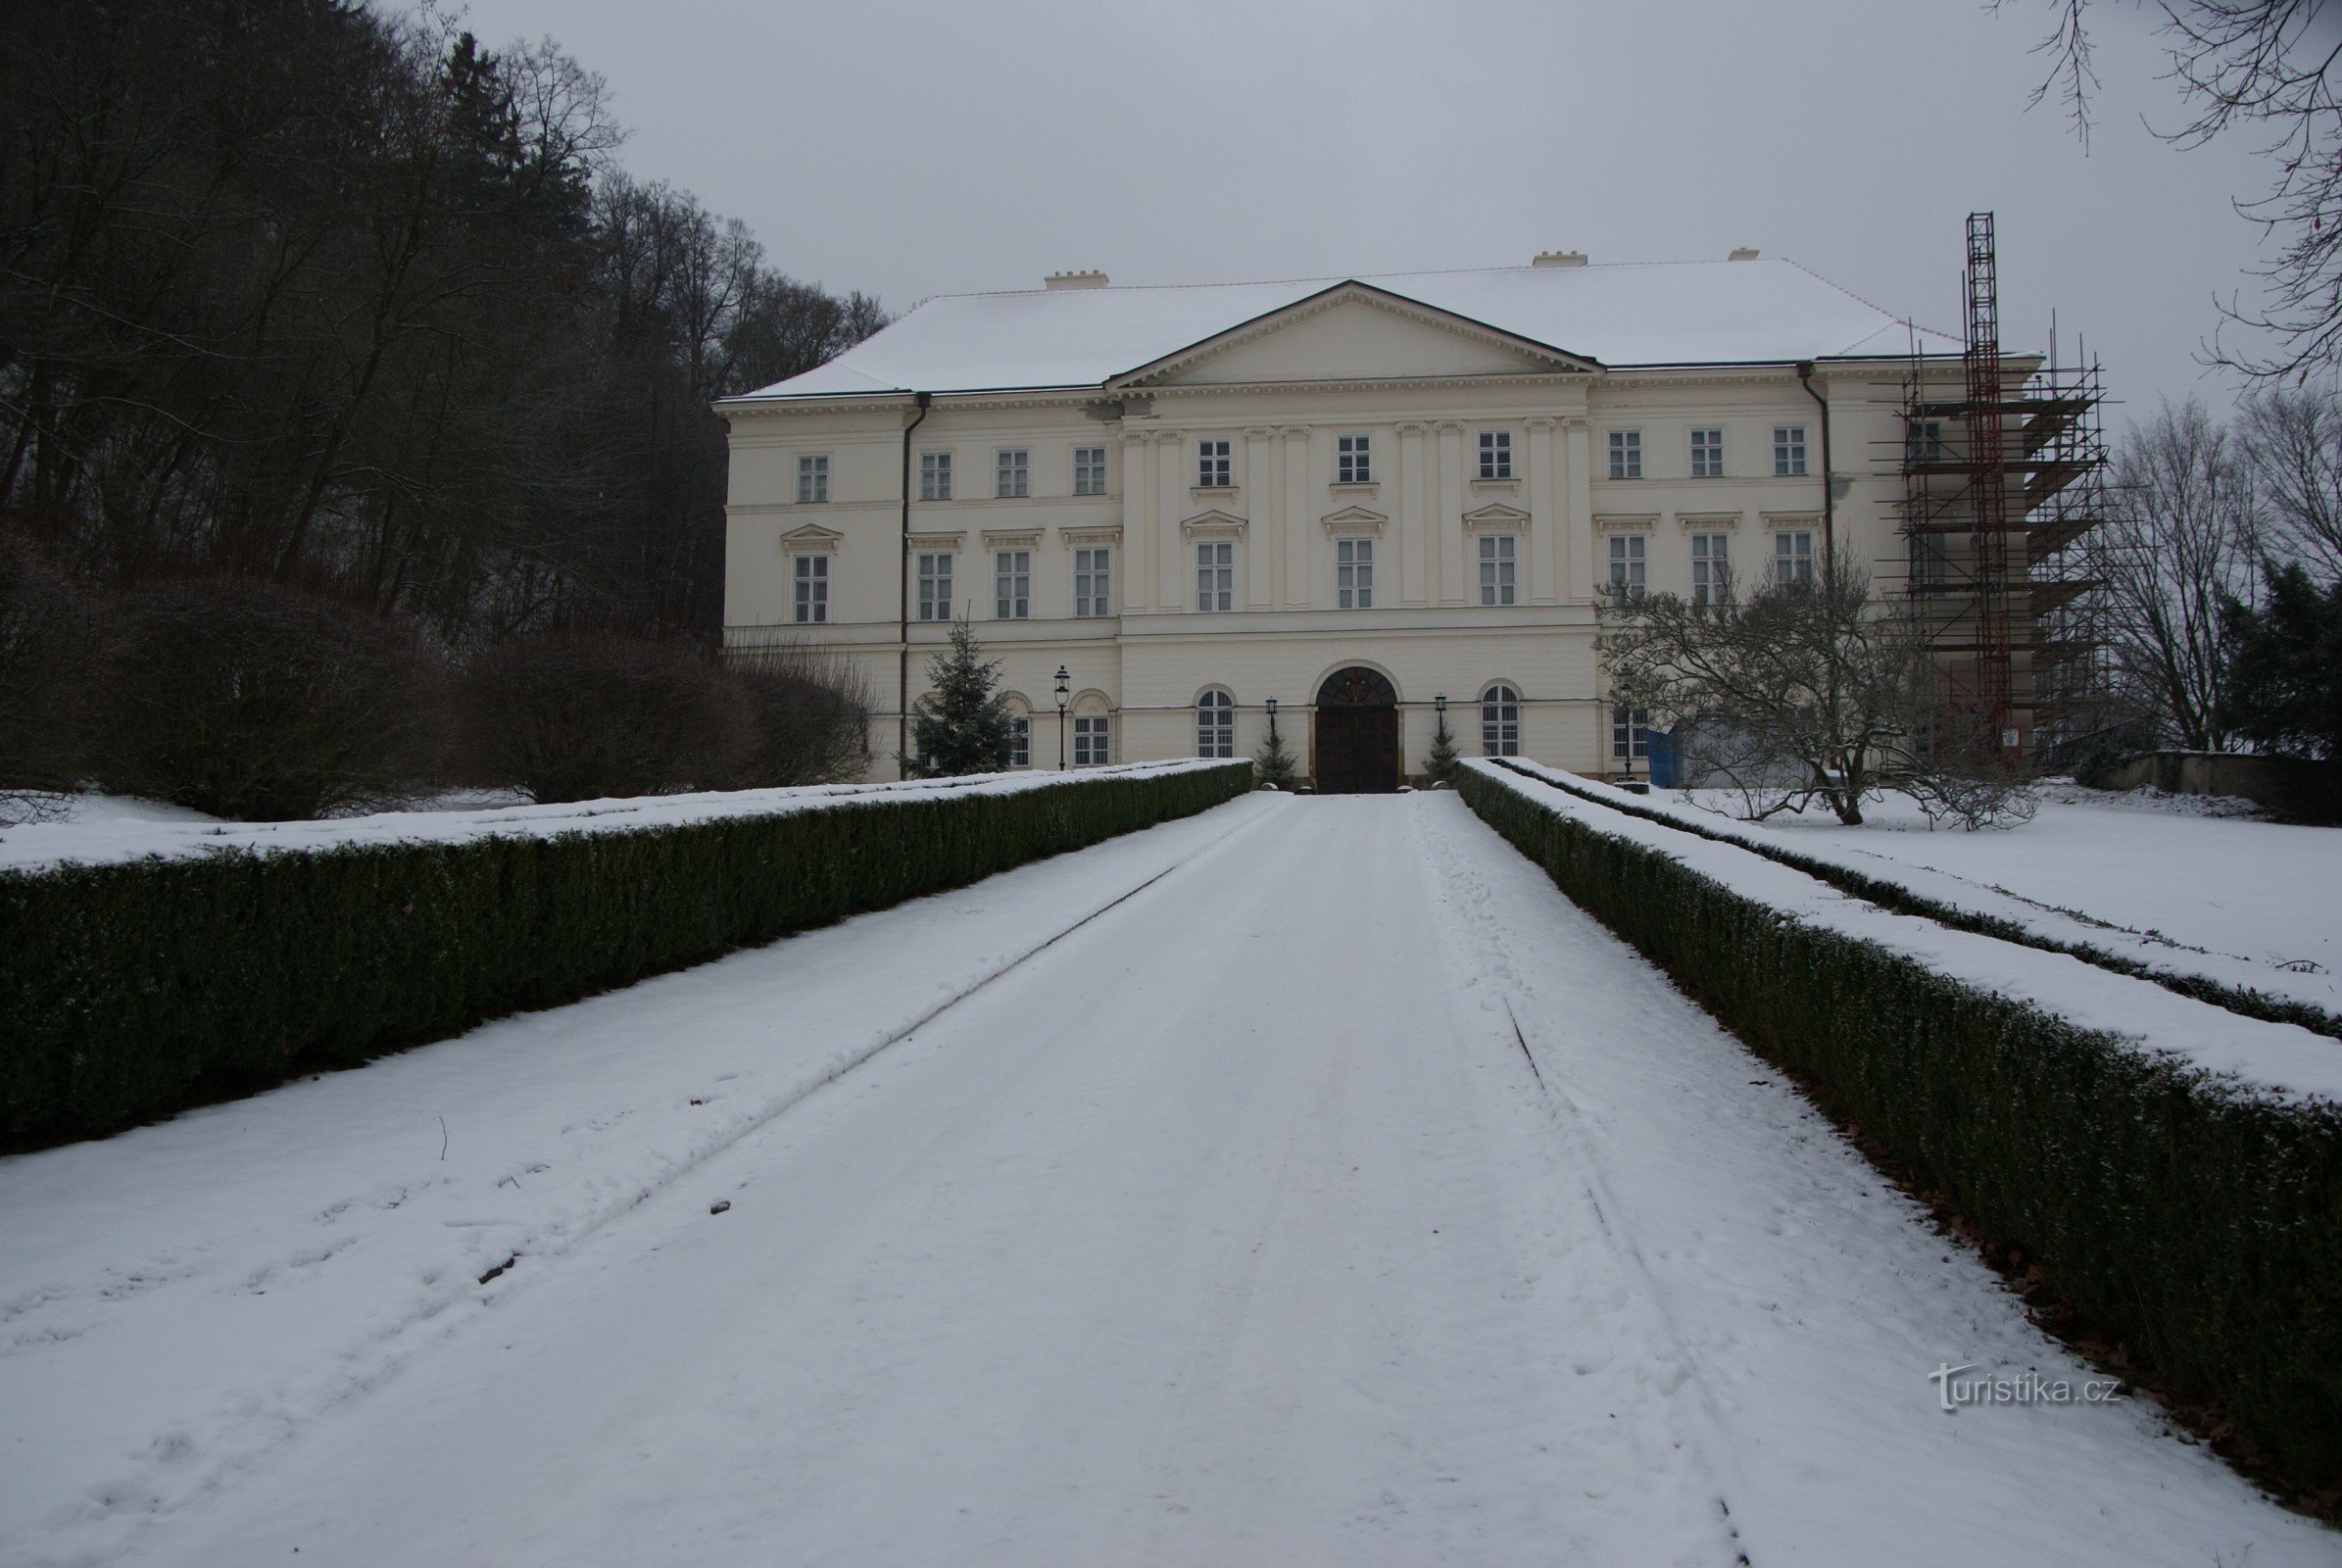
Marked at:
<point>916,149</point>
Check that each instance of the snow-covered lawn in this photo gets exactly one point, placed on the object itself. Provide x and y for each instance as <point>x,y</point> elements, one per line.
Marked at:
<point>97,828</point>
<point>1310,1182</point>
<point>2174,882</point>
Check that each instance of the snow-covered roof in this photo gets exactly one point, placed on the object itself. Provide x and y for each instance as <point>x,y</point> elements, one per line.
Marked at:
<point>1640,314</point>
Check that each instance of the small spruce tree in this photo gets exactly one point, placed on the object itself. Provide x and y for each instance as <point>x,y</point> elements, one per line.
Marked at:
<point>961,725</point>
<point>1440,765</point>
<point>1273,764</point>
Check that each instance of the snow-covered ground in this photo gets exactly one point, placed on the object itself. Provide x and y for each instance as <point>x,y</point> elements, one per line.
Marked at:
<point>1310,1182</point>
<point>98,828</point>
<point>2177,883</point>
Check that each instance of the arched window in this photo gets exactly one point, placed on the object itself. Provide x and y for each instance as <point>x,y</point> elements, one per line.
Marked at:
<point>1500,721</point>
<point>1215,724</point>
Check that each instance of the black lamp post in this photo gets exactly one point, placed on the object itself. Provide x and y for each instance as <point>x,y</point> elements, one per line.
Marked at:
<point>1439,703</point>
<point>1271,705</point>
<point>1062,689</point>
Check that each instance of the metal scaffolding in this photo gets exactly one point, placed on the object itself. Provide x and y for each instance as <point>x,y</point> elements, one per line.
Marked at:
<point>2003,460</point>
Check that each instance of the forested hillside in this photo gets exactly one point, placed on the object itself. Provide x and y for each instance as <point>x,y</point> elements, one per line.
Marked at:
<point>315,293</point>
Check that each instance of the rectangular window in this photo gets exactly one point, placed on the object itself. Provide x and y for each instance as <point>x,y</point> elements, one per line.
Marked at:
<point>1788,449</point>
<point>813,590</point>
<point>1707,454</point>
<point>1354,573</point>
<point>1020,741</point>
<point>1353,460</point>
<point>1630,562</point>
<point>1014,474</point>
<point>1928,562</point>
<point>1092,735</point>
<point>812,480</point>
<point>1498,560</point>
<point>1711,568</point>
<point>1213,471</point>
<point>1089,470</point>
<point>935,476</point>
<point>935,586</point>
<point>1012,584</point>
<point>1092,583</point>
<point>1923,442</point>
<point>1215,574</point>
<point>1626,454</point>
<point>1793,557</point>
<point>1629,739</point>
<point>1495,453</point>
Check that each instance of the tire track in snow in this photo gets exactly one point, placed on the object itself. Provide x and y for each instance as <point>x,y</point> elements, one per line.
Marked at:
<point>160,1480</point>
<point>1710,1436</point>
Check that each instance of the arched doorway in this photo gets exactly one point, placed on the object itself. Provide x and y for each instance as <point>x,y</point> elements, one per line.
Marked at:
<point>1356,739</point>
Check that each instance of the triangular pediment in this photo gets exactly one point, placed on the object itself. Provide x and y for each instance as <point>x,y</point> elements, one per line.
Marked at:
<point>1354,332</point>
<point>1496,515</point>
<point>1355,519</point>
<point>811,536</point>
<point>1214,520</point>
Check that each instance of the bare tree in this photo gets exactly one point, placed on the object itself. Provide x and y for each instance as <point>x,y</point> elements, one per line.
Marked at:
<point>1804,693</point>
<point>2268,67</point>
<point>2178,545</point>
<point>2292,439</point>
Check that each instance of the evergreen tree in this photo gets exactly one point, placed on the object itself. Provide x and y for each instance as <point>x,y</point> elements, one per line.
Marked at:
<point>2285,667</point>
<point>961,725</point>
<point>1440,764</point>
<point>1273,764</point>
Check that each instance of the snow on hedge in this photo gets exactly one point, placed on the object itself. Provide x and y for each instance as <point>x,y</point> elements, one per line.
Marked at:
<point>2148,888</point>
<point>114,836</point>
<point>2280,1057</point>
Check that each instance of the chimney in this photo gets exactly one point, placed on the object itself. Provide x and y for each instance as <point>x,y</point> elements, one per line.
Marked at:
<point>1559,259</point>
<point>1074,280</point>
<point>1744,253</point>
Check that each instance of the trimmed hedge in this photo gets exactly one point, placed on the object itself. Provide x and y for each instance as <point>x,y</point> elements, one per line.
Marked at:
<point>127,988</point>
<point>1891,895</point>
<point>2198,1219</point>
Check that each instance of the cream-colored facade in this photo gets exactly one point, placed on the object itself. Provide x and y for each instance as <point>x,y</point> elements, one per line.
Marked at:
<point>1238,490</point>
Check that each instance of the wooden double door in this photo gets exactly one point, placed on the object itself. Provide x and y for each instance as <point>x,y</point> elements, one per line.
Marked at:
<point>1355,739</point>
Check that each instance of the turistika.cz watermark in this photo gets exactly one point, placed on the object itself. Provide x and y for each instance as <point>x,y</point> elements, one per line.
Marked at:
<point>1953,1391</point>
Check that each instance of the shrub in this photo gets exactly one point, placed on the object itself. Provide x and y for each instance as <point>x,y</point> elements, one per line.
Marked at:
<point>256,701</point>
<point>580,716</point>
<point>46,630</point>
<point>2195,1219</point>
<point>124,988</point>
<point>808,717</point>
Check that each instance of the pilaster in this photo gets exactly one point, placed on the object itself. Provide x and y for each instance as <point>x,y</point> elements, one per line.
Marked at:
<point>1170,491</point>
<point>1300,527</point>
<point>1260,506</point>
<point>1543,571</point>
<point>1449,585</point>
<point>1137,555</point>
<point>1576,582</point>
<point>1418,516</point>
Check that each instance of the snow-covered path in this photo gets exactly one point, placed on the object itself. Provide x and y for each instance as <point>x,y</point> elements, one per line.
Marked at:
<point>1340,1195</point>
